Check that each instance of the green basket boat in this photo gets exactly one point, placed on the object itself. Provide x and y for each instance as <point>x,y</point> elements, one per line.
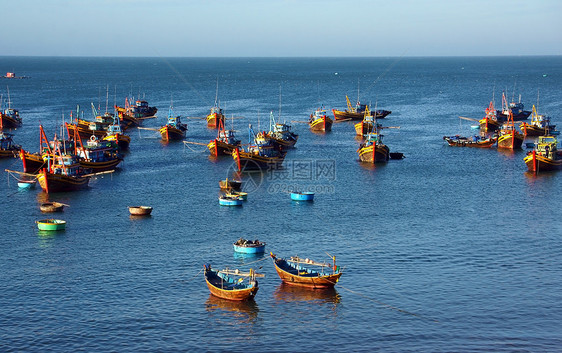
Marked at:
<point>51,224</point>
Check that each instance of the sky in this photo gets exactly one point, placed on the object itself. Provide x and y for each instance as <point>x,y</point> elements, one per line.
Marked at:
<point>280,28</point>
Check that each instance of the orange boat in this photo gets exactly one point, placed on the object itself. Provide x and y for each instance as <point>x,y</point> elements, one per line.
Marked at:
<point>296,271</point>
<point>223,284</point>
<point>490,123</point>
<point>540,125</point>
<point>224,143</point>
<point>545,156</point>
<point>319,121</point>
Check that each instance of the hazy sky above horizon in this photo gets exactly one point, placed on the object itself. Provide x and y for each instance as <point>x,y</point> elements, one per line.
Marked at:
<point>281,27</point>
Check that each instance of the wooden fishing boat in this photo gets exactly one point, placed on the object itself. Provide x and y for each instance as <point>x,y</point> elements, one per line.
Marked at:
<point>50,207</point>
<point>490,123</point>
<point>224,143</point>
<point>63,173</point>
<point>7,147</point>
<point>140,210</point>
<point>230,184</point>
<point>9,117</point>
<point>297,271</point>
<point>509,137</point>
<point>51,224</point>
<point>539,126</point>
<point>97,155</point>
<point>216,117</point>
<point>115,134</point>
<point>281,135</point>
<point>302,196</point>
<point>545,156</point>
<point>357,112</point>
<point>230,201</point>
<point>261,153</point>
<point>174,128</point>
<point>133,115</point>
<point>516,109</point>
<point>32,162</point>
<point>249,246</point>
<point>319,121</point>
<point>475,141</point>
<point>230,284</point>
<point>372,150</point>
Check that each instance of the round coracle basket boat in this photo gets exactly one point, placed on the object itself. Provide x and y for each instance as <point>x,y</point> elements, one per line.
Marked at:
<point>49,207</point>
<point>140,210</point>
<point>51,224</point>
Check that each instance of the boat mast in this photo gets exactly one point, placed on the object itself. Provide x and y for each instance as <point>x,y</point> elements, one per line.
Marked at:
<point>217,93</point>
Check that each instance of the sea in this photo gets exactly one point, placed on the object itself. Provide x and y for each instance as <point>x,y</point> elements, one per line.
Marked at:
<point>447,250</point>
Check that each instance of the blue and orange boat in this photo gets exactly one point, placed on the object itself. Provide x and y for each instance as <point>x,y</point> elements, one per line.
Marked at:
<point>231,284</point>
<point>299,272</point>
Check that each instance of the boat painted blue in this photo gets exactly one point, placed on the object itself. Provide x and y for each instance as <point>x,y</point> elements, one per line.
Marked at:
<point>249,246</point>
<point>230,201</point>
<point>302,196</point>
<point>26,184</point>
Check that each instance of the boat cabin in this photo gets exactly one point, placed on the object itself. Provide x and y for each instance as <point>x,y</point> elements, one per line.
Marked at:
<point>547,146</point>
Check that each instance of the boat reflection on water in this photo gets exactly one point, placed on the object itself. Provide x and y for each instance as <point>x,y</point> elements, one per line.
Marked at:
<point>289,293</point>
<point>244,259</point>
<point>242,311</point>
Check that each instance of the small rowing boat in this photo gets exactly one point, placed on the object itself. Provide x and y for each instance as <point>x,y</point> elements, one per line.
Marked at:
<point>302,196</point>
<point>49,207</point>
<point>230,201</point>
<point>231,284</point>
<point>140,210</point>
<point>297,271</point>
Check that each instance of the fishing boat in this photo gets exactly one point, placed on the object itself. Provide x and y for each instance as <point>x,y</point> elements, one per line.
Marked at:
<point>373,150</point>
<point>515,109</point>
<point>261,154</point>
<point>302,272</point>
<point>231,284</point>
<point>115,134</point>
<point>51,224</point>
<point>224,143</point>
<point>50,207</point>
<point>97,155</point>
<point>545,156</point>
<point>174,128</point>
<point>490,122</point>
<point>474,141</point>
<point>230,200</point>
<point>249,246</point>
<point>319,121</point>
<point>216,117</point>
<point>133,115</point>
<point>9,117</point>
<point>140,210</point>
<point>7,147</point>
<point>302,196</point>
<point>357,112</point>
<point>281,135</point>
<point>509,137</point>
<point>230,184</point>
<point>539,125</point>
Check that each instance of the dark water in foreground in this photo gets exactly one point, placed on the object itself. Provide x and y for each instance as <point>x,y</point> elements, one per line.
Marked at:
<point>450,249</point>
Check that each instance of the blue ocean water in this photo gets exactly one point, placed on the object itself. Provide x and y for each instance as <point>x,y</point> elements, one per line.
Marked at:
<point>450,249</point>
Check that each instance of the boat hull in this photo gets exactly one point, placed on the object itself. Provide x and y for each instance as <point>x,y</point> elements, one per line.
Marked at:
<point>98,167</point>
<point>323,124</point>
<point>50,182</point>
<point>249,249</point>
<point>374,154</point>
<point>539,163</point>
<point>252,162</point>
<point>346,115</point>
<point>220,148</point>
<point>511,141</point>
<point>170,133</point>
<point>50,207</point>
<point>222,289</point>
<point>7,122</point>
<point>522,115</point>
<point>231,201</point>
<point>533,130</point>
<point>302,196</point>
<point>467,143</point>
<point>489,125</point>
<point>51,224</point>
<point>214,120</point>
<point>32,162</point>
<point>140,210</point>
<point>320,281</point>
<point>363,128</point>
<point>8,153</point>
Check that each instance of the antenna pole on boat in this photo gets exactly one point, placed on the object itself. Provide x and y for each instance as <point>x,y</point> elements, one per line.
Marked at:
<point>217,92</point>
<point>279,104</point>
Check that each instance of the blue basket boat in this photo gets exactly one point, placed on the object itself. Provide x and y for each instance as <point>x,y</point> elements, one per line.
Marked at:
<point>302,196</point>
<point>230,201</point>
<point>249,246</point>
